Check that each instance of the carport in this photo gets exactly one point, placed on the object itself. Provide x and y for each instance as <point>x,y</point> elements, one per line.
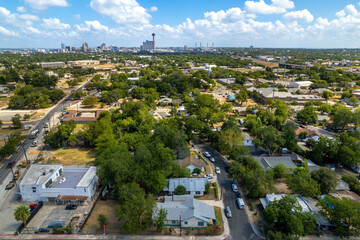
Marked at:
<point>74,199</point>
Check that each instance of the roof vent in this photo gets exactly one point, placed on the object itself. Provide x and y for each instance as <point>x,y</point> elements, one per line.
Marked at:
<point>44,173</point>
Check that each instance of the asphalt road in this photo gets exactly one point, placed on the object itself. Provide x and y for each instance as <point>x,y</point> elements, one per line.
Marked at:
<point>4,170</point>
<point>240,228</point>
<point>321,131</point>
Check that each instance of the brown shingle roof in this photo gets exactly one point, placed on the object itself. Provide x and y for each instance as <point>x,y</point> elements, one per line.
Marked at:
<point>308,131</point>
<point>191,160</point>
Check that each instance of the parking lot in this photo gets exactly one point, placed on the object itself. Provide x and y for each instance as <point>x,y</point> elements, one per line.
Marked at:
<point>51,213</point>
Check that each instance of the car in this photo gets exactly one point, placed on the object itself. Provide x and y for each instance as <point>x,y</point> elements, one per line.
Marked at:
<point>241,203</point>
<point>56,224</point>
<point>33,206</point>
<point>23,164</point>
<point>217,170</point>
<point>210,176</point>
<point>34,144</point>
<point>227,169</point>
<point>71,207</point>
<point>234,187</point>
<point>228,212</point>
<point>239,195</point>
<point>11,164</point>
<point>9,186</point>
<point>46,125</point>
<point>212,159</point>
<point>16,177</point>
<point>206,154</point>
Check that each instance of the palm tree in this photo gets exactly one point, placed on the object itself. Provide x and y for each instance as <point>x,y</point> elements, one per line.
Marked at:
<point>22,213</point>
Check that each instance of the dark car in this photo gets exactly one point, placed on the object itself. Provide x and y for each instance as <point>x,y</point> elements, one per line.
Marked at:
<point>10,164</point>
<point>9,186</point>
<point>227,169</point>
<point>238,195</point>
<point>70,207</point>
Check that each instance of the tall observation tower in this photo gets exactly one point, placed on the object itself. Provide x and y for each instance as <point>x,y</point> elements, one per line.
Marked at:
<point>153,35</point>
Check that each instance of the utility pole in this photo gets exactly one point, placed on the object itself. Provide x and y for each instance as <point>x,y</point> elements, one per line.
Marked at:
<point>27,160</point>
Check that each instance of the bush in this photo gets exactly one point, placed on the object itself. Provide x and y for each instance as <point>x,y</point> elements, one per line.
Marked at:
<point>197,171</point>
<point>353,183</point>
<point>207,188</point>
<point>180,190</point>
<point>216,190</point>
<point>56,231</point>
<point>68,230</point>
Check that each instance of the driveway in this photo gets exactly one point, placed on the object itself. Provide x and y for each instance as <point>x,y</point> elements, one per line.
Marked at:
<point>240,228</point>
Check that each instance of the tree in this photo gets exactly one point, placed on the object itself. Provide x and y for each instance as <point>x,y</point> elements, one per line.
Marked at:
<point>26,117</point>
<point>290,137</point>
<point>180,190</point>
<point>341,117</point>
<point>268,138</point>
<point>324,108</point>
<point>307,115</point>
<point>326,178</point>
<point>22,213</point>
<point>280,171</point>
<point>242,96</point>
<point>1,123</point>
<point>90,101</point>
<point>229,139</point>
<point>327,95</point>
<point>301,182</point>
<point>354,101</point>
<point>102,220</point>
<point>136,208</point>
<point>160,219</point>
<point>343,213</point>
<point>287,216</point>
<point>16,122</point>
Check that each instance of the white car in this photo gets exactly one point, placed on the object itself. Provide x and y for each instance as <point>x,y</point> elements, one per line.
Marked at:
<point>210,176</point>
<point>212,159</point>
<point>234,187</point>
<point>217,170</point>
<point>206,154</point>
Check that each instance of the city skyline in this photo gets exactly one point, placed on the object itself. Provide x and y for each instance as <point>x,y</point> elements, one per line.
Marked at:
<point>262,23</point>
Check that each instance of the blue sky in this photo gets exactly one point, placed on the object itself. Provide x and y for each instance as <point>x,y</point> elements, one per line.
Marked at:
<point>227,23</point>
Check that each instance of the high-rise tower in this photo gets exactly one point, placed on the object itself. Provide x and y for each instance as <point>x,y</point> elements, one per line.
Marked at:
<point>153,35</point>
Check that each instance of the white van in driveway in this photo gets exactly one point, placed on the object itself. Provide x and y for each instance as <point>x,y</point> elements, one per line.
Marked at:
<point>240,203</point>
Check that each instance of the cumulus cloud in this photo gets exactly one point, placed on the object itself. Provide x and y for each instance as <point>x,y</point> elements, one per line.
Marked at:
<point>45,4</point>
<point>153,9</point>
<point>303,16</point>
<point>16,20</point>
<point>7,33</point>
<point>122,11</point>
<point>276,6</point>
<point>21,9</point>
<point>54,23</point>
<point>91,26</point>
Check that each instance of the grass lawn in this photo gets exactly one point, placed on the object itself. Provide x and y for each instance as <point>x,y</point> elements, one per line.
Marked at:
<point>79,127</point>
<point>210,196</point>
<point>218,216</point>
<point>74,156</point>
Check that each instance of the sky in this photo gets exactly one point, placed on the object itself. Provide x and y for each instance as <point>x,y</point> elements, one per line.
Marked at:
<point>226,23</point>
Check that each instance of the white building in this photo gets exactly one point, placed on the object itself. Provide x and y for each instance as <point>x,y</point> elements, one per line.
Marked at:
<point>248,140</point>
<point>55,183</point>
<point>300,84</point>
<point>273,197</point>
<point>194,186</point>
<point>52,64</point>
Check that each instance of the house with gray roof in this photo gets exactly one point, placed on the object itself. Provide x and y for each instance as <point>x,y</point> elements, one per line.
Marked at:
<point>194,186</point>
<point>186,212</point>
<point>271,162</point>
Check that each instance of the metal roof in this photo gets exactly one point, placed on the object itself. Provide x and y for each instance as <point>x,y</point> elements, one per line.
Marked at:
<point>191,184</point>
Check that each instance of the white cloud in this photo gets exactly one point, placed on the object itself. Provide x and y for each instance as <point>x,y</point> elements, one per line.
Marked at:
<point>21,9</point>
<point>7,33</point>
<point>16,20</point>
<point>54,23</point>
<point>45,4</point>
<point>91,26</point>
<point>122,11</point>
<point>31,30</point>
<point>153,9</point>
<point>303,16</point>
<point>276,6</point>
<point>77,16</point>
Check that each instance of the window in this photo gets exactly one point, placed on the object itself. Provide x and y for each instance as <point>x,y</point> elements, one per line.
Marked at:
<point>34,189</point>
<point>185,222</point>
<point>200,224</point>
<point>60,171</point>
<point>174,221</point>
<point>48,184</point>
<point>198,192</point>
<point>84,189</point>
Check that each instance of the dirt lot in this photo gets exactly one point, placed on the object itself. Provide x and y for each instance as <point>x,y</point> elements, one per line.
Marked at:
<point>6,130</point>
<point>108,208</point>
<point>73,156</point>
<point>281,187</point>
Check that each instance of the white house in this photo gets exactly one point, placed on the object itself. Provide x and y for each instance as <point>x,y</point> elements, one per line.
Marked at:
<point>248,140</point>
<point>194,186</point>
<point>55,183</point>
<point>272,197</point>
<point>187,212</point>
<point>300,84</point>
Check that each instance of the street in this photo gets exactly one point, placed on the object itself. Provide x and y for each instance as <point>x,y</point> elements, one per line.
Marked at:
<point>240,228</point>
<point>321,131</point>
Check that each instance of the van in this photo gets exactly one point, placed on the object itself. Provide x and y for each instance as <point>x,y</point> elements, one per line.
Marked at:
<point>241,203</point>
<point>56,224</point>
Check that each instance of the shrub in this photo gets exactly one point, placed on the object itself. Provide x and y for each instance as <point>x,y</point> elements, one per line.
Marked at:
<point>207,188</point>
<point>56,231</point>
<point>197,171</point>
<point>68,230</point>
<point>216,190</point>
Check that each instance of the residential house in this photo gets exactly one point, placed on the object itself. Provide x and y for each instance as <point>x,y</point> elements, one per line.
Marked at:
<point>182,111</point>
<point>300,84</point>
<point>165,101</point>
<point>248,140</point>
<point>194,186</point>
<point>270,162</point>
<point>309,134</point>
<point>81,117</point>
<point>55,183</point>
<point>186,212</point>
<point>191,163</point>
<point>272,197</point>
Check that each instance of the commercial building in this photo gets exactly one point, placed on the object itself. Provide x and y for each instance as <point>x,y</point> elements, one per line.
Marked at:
<point>300,84</point>
<point>186,212</point>
<point>147,45</point>
<point>52,64</point>
<point>55,183</point>
<point>83,63</point>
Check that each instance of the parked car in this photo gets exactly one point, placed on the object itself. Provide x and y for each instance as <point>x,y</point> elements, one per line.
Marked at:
<point>206,154</point>
<point>46,125</point>
<point>238,194</point>
<point>34,144</point>
<point>217,170</point>
<point>23,164</point>
<point>33,206</point>
<point>209,176</point>
<point>241,203</point>
<point>70,207</point>
<point>234,187</point>
<point>228,212</point>
<point>11,164</point>
<point>56,224</point>
<point>10,186</point>
<point>44,230</point>
<point>212,159</point>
